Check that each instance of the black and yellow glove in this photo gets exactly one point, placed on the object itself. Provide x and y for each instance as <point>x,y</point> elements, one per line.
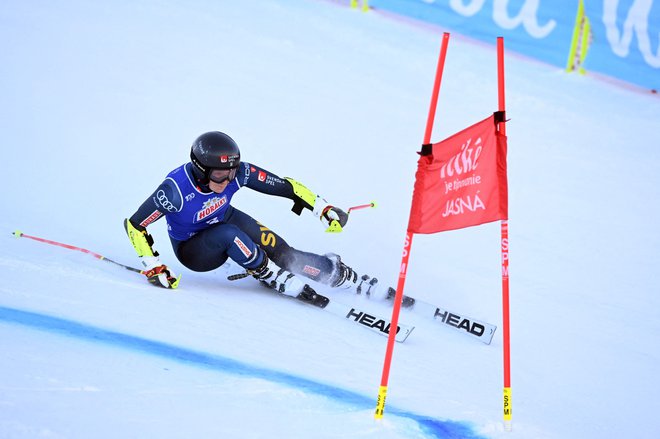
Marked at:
<point>156,272</point>
<point>331,216</point>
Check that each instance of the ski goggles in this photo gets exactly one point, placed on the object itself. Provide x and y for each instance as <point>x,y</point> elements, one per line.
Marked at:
<point>221,175</point>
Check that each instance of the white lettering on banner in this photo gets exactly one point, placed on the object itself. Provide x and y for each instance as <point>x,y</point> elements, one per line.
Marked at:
<point>637,21</point>
<point>463,162</point>
<point>526,16</point>
<point>459,205</point>
<point>460,184</point>
<point>468,10</point>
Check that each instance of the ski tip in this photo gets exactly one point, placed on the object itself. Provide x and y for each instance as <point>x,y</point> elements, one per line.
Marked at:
<point>17,234</point>
<point>402,336</point>
<point>487,339</point>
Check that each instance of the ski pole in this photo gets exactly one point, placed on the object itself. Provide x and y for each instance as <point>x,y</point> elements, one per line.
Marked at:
<point>362,206</point>
<point>19,234</point>
<point>335,227</point>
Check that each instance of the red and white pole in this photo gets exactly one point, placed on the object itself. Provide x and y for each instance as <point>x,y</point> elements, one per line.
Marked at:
<point>505,259</point>
<point>398,298</point>
<point>19,234</point>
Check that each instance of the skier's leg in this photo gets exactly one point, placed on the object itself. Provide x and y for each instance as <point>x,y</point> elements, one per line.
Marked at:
<point>325,269</point>
<point>210,249</point>
<point>316,267</point>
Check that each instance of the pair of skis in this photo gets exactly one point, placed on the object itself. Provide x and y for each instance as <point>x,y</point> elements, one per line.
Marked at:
<point>474,328</point>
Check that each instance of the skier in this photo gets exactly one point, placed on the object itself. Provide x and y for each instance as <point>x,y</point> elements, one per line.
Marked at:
<point>205,229</point>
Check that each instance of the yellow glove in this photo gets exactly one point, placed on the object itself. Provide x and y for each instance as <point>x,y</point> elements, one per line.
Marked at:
<point>332,217</point>
<point>157,273</point>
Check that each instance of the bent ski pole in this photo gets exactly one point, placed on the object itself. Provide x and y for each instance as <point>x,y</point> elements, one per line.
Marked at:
<point>20,234</point>
<point>335,227</point>
<point>362,206</point>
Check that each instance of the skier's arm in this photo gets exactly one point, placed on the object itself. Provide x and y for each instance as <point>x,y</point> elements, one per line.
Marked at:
<point>332,217</point>
<point>163,200</point>
<point>266,182</point>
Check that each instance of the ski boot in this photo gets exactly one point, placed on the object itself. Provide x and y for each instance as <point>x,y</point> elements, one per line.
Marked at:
<point>287,283</point>
<point>277,278</point>
<point>347,278</point>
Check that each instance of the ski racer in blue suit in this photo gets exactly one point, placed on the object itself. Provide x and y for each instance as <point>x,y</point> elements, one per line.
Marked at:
<point>205,229</point>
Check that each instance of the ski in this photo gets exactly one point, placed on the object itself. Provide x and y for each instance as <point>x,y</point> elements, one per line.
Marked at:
<point>478,329</point>
<point>380,325</point>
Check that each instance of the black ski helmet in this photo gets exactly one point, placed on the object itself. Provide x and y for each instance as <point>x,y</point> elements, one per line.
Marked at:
<point>213,150</point>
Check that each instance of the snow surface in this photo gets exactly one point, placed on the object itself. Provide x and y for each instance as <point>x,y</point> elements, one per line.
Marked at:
<point>101,99</point>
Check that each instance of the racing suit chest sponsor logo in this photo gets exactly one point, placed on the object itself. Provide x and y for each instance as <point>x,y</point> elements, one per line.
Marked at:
<point>210,207</point>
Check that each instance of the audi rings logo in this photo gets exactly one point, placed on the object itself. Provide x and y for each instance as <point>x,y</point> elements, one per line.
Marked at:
<point>164,202</point>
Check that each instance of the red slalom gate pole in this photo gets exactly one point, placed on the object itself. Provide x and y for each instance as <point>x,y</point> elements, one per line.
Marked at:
<point>506,331</point>
<point>19,234</point>
<point>382,391</point>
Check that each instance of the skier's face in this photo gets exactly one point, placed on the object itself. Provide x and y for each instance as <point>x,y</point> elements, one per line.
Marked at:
<point>218,187</point>
<point>220,178</point>
<point>222,175</point>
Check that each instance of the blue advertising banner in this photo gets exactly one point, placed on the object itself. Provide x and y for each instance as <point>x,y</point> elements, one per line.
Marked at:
<point>626,40</point>
<point>535,28</point>
<point>625,33</point>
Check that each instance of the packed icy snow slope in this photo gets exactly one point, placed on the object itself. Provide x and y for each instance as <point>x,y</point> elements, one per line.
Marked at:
<point>101,100</point>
